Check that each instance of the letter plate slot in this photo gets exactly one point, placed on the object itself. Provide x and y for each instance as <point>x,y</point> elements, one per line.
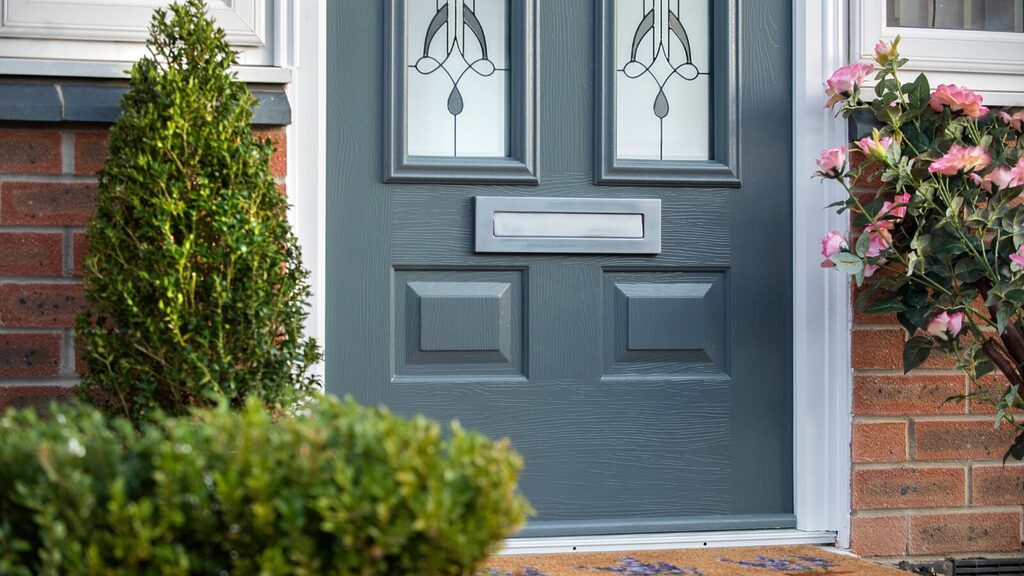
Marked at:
<point>568,225</point>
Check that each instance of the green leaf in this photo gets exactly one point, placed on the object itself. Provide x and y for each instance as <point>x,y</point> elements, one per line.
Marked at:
<point>863,243</point>
<point>1003,314</point>
<point>849,263</point>
<point>915,352</point>
<point>885,306</point>
<point>1018,227</point>
<point>920,92</point>
<point>968,271</point>
<point>1016,450</point>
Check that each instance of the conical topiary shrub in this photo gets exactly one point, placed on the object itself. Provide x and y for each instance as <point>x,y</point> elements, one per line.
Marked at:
<point>195,282</point>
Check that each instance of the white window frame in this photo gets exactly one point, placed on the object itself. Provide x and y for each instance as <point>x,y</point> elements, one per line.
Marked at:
<point>991,63</point>
<point>54,38</point>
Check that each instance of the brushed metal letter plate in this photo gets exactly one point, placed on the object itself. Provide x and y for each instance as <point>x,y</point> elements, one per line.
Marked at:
<point>568,225</point>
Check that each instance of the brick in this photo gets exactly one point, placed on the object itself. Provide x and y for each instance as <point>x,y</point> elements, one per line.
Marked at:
<point>995,385</point>
<point>879,442</point>
<point>961,440</point>
<point>279,160</point>
<point>38,397</point>
<point>891,488</point>
<point>80,366</point>
<point>40,305</point>
<point>91,150</point>
<point>909,394</point>
<point>965,532</point>
<point>880,536</point>
<point>79,250</point>
<point>31,254</point>
<point>878,349</point>
<point>995,485</point>
<point>871,178</point>
<point>30,151</point>
<point>47,203</point>
<point>29,355</point>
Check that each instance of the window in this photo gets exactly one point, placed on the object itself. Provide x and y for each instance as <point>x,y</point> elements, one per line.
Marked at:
<point>973,43</point>
<point>986,15</point>
<point>101,37</point>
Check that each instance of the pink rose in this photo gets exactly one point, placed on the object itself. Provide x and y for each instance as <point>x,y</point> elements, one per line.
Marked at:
<point>1015,120</point>
<point>1000,179</point>
<point>881,239</point>
<point>961,159</point>
<point>870,269</point>
<point>958,99</point>
<point>895,211</point>
<point>832,163</point>
<point>1018,170</point>
<point>1018,257</point>
<point>832,243</point>
<point>885,52</point>
<point>875,147</point>
<point>945,326</point>
<point>845,81</point>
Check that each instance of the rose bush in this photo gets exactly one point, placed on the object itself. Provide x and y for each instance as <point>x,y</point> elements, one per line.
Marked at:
<point>941,241</point>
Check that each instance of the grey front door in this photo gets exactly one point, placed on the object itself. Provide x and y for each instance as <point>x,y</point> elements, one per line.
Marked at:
<point>648,386</point>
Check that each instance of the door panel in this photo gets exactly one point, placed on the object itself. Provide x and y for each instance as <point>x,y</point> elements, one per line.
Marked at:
<point>646,392</point>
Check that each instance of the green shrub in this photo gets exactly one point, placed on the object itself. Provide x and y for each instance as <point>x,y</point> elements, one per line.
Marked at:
<point>195,281</point>
<point>337,489</point>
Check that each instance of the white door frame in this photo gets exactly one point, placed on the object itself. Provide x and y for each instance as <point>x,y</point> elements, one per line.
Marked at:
<point>822,377</point>
<point>821,309</point>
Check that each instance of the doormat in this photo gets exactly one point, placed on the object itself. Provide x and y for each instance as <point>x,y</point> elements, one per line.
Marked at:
<point>769,560</point>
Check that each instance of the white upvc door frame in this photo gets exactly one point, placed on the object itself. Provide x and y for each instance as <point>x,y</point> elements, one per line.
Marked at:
<point>822,376</point>
<point>821,307</point>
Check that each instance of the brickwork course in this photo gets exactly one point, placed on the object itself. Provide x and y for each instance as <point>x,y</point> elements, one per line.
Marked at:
<point>47,197</point>
<point>927,474</point>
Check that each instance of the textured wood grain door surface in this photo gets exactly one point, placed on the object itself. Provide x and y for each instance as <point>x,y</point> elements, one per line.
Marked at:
<point>647,392</point>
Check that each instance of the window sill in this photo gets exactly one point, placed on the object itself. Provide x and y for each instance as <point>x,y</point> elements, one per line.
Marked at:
<point>119,70</point>
<point>60,100</point>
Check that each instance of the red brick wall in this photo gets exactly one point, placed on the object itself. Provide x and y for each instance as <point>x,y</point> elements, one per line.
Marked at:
<point>47,192</point>
<point>927,478</point>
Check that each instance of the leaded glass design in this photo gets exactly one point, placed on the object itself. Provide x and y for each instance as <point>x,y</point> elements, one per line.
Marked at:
<point>458,79</point>
<point>662,79</point>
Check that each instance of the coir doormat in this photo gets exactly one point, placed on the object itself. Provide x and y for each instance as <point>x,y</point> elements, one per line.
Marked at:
<point>774,560</point>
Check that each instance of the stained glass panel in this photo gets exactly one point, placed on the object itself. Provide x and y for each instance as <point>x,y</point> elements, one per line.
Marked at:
<point>663,79</point>
<point>457,82</point>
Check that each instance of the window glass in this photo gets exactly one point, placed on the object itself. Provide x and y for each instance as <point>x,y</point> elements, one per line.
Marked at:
<point>458,78</point>
<point>987,15</point>
<point>663,79</point>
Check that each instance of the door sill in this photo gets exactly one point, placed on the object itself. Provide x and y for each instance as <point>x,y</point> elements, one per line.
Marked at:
<point>624,542</point>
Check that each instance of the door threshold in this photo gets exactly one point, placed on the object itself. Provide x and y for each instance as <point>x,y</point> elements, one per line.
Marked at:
<point>625,542</point>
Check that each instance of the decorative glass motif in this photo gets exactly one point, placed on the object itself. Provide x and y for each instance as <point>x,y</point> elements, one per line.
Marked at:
<point>457,82</point>
<point>662,79</point>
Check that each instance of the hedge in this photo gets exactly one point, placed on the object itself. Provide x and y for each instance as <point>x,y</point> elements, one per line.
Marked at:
<point>336,489</point>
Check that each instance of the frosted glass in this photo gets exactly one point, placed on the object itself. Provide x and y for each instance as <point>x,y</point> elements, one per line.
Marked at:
<point>457,82</point>
<point>663,79</point>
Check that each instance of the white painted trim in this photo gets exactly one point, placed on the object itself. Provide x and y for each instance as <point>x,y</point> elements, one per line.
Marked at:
<point>517,546</point>
<point>307,153</point>
<point>110,69</point>
<point>987,62</point>
<point>821,309</point>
